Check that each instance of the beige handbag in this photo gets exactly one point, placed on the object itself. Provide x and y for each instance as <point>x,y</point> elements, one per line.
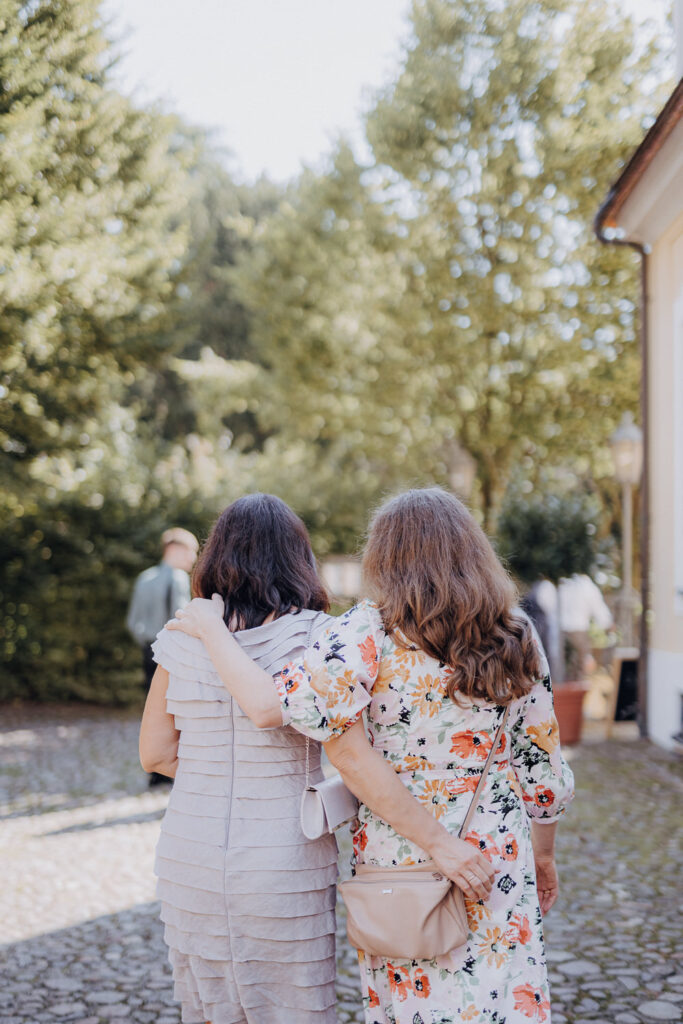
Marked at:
<point>326,805</point>
<point>413,912</point>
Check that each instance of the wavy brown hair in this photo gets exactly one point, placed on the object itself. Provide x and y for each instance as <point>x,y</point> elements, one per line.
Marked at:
<point>437,580</point>
<point>259,559</point>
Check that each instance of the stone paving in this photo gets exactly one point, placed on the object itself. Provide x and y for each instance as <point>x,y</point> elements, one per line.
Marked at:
<point>80,940</point>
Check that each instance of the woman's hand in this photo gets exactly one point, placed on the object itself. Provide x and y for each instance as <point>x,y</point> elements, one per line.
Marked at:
<point>463,864</point>
<point>543,843</point>
<point>547,883</point>
<point>197,617</point>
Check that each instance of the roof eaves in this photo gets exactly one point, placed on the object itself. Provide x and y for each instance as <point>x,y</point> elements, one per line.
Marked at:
<point>670,115</point>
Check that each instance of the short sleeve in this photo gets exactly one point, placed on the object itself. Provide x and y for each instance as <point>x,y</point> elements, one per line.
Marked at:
<point>324,693</point>
<point>546,780</point>
<point>163,650</point>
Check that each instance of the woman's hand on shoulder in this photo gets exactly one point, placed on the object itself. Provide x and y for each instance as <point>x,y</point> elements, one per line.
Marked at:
<point>199,616</point>
<point>464,865</point>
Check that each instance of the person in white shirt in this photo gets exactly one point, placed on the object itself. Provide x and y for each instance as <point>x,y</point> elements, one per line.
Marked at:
<point>544,593</point>
<point>581,605</point>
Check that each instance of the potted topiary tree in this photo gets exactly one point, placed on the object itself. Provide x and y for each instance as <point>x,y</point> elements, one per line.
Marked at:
<point>545,538</point>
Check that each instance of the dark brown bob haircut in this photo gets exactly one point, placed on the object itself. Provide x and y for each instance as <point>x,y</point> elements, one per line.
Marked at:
<point>437,580</point>
<point>259,559</point>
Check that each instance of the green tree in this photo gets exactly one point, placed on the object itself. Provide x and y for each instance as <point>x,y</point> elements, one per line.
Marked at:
<point>502,133</point>
<point>455,291</point>
<point>182,396</point>
<point>91,239</point>
<point>338,392</point>
<point>549,536</point>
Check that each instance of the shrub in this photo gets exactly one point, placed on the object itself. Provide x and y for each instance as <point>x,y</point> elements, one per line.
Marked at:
<point>65,584</point>
<point>548,535</point>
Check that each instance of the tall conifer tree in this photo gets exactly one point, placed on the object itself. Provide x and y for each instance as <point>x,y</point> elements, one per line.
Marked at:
<point>90,191</point>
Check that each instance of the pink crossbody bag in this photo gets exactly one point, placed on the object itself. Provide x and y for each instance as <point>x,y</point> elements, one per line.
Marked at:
<point>412,912</point>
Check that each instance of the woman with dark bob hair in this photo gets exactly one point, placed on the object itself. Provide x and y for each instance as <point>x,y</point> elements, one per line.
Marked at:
<point>247,901</point>
<point>433,661</point>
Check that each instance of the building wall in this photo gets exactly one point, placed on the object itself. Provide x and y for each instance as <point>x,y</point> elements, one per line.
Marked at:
<point>666,483</point>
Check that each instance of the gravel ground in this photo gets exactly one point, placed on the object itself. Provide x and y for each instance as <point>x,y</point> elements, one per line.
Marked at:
<point>80,937</point>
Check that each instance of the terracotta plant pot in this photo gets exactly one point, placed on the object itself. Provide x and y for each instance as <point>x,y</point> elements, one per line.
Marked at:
<point>569,699</point>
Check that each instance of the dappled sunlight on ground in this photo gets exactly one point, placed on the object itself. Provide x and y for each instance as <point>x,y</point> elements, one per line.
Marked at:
<point>82,938</point>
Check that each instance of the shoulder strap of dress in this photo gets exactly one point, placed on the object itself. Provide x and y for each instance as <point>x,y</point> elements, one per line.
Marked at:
<point>485,770</point>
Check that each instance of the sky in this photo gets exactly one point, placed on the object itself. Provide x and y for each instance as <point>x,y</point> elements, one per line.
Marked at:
<point>276,80</point>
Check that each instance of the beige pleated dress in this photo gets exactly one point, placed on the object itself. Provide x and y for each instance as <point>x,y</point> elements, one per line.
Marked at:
<point>247,901</point>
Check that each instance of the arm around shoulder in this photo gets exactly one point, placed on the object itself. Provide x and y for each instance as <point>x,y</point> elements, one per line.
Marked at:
<point>250,685</point>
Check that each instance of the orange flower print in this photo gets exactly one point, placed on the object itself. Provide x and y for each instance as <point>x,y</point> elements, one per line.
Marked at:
<point>415,763</point>
<point>477,911</point>
<point>428,695</point>
<point>435,794</point>
<point>402,661</point>
<point>531,1002</point>
<point>340,689</point>
<point>524,933</point>
<point>546,735</point>
<point>320,681</point>
<point>514,785</point>
<point>483,843</point>
<point>471,744</point>
<point>508,848</point>
<point>467,784</point>
<point>470,1013</point>
<point>360,839</point>
<point>290,679</point>
<point>421,984</point>
<point>519,931</point>
<point>494,947</point>
<point>373,998</point>
<point>399,981</point>
<point>407,656</point>
<point>385,677</point>
<point>368,652</point>
<point>543,797</point>
<point>337,724</point>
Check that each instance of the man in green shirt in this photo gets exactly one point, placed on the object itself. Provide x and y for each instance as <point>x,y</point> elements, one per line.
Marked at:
<point>156,595</point>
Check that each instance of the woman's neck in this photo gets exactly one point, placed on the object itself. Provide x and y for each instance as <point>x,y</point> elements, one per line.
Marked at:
<point>234,625</point>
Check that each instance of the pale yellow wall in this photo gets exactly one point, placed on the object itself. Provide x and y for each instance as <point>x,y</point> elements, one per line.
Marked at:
<point>666,388</point>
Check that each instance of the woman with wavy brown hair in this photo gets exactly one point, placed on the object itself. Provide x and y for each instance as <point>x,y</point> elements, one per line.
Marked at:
<point>434,659</point>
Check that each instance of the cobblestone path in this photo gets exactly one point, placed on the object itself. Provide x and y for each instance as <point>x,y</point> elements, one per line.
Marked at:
<point>80,939</point>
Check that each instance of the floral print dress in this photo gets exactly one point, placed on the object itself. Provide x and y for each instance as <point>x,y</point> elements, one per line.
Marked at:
<point>439,747</point>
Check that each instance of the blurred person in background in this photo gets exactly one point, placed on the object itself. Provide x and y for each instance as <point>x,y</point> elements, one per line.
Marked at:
<point>542,605</point>
<point>581,605</point>
<point>158,591</point>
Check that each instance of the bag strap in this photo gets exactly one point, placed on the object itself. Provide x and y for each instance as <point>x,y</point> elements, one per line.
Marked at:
<point>308,742</point>
<point>485,770</point>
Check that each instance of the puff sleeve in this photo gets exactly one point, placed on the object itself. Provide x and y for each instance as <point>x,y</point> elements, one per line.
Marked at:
<point>546,780</point>
<point>325,693</point>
